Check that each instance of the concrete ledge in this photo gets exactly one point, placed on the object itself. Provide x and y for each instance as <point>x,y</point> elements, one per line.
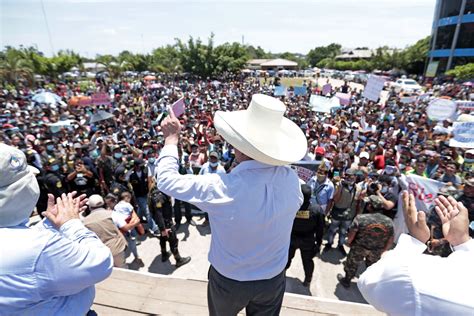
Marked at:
<point>128,292</point>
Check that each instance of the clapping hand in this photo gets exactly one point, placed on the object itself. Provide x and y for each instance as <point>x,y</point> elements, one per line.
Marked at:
<point>415,221</point>
<point>454,220</point>
<point>66,208</point>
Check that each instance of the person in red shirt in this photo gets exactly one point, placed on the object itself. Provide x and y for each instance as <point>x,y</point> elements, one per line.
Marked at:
<point>379,159</point>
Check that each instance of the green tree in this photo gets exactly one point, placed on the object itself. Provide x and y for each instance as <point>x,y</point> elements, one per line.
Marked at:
<point>464,72</point>
<point>230,57</point>
<point>257,52</point>
<point>317,54</point>
<point>15,67</point>
<point>111,65</point>
<point>414,57</point>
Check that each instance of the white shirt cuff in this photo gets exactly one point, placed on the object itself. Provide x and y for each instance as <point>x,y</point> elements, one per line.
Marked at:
<point>407,243</point>
<point>467,246</point>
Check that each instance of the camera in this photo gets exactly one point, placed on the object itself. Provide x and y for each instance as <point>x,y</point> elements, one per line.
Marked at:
<point>373,188</point>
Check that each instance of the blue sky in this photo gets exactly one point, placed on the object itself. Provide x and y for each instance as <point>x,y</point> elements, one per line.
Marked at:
<point>93,27</point>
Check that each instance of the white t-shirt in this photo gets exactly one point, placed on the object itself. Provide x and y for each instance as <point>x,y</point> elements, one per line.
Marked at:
<point>122,211</point>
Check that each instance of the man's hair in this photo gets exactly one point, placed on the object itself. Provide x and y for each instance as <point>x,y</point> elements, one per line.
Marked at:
<point>125,195</point>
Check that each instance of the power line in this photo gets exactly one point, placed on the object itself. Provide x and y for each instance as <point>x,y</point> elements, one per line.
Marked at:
<point>47,27</point>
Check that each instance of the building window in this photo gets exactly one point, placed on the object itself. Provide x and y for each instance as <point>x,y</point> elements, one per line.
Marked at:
<point>450,8</point>
<point>469,7</point>
<point>444,37</point>
<point>466,36</point>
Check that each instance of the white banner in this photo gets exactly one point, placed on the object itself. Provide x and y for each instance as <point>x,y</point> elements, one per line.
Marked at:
<point>373,88</point>
<point>465,105</point>
<point>441,109</point>
<point>463,135</point>
<point>425,191</point>
<point>323,104</point>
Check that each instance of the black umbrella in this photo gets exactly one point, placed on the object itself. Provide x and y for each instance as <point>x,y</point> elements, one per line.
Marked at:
<point>100,116</point>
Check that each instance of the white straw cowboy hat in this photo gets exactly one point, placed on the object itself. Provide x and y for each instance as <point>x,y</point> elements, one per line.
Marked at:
<point>262,132</point>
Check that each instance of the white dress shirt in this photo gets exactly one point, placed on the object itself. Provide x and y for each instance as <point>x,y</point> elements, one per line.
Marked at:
<point>406,282</point>
<point>49,271</point>
<point>251,213</point>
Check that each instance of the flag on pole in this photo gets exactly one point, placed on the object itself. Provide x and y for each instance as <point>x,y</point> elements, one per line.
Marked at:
<point>178,107</point>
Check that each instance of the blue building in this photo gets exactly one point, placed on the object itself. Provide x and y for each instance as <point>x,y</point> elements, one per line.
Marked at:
<point>452,36</point>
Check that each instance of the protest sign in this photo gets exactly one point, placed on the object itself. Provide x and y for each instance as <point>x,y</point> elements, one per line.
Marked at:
<point>327,88</point>
<point>441,109</point>
<point>425,191</point>
<point>465,105</point>
<point>279,91</point>
<point>100,98</point>
<point>463,135</point>
<point>323,104</point>
<point>303,173</point>
<point>407,100</point>
<point>373,88</point>
<point>301,90</point>
<point>178,107</point>
<point>432,69</point>
<point>344,98</point>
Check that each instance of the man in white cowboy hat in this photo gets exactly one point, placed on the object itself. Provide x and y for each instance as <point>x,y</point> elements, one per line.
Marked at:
<point>51,268</point>
<point>251,209</point>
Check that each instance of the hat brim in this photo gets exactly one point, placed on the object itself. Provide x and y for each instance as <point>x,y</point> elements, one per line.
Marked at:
<point>279,146</point>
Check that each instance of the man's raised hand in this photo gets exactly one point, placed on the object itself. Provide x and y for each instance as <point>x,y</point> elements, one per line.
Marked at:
<point>415,221</point>
<point>454,219</point>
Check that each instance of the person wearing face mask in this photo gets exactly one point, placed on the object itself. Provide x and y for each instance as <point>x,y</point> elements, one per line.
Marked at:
<point>213,165</point>
<point>322,194</point>
<point>52,181</point>
<point>343,211</point>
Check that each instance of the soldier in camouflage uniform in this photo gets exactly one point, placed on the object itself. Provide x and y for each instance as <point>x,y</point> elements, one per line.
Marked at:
<point>369,236</point>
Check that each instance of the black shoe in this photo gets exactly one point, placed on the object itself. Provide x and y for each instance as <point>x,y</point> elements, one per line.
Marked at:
<point>155,233</point>
<point>327,247</point>
<point>342,250</point>
<point>177,226</point>
<point>192,222</point>
<point>165,256</point>
<point>205,223</point>
<point>182,261</point>
<point>343,280</point>
<point>306,282</point>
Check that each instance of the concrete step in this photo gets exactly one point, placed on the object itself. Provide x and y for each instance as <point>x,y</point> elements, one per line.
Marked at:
<point>128,292</point>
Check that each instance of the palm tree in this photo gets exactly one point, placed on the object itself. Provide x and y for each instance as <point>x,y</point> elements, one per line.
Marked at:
<point>14,66</point>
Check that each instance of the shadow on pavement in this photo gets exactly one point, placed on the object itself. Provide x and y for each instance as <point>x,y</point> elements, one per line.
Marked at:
<point>351,294</point>
<point>295,286</point>
<point>161,267</point>
<point>333,256</point>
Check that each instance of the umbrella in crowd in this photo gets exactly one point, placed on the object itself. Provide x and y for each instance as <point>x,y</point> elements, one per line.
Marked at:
<point>100,116</point>
<point>47,98</point>
<point>80,100</point>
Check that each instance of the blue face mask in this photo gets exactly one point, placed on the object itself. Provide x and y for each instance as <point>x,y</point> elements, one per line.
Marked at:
<point>467,160</point>
<point>54,168</point>
<point>50,147</point>
<point>118,155</point>
<point>94,154</point>
<point>151,160</point>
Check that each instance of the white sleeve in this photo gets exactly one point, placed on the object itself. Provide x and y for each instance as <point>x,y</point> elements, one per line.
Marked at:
<point>118,219</point>
<point>387,285</point>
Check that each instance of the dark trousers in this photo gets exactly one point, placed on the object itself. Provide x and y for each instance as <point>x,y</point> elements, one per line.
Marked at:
<point>172,240</point>
<point>307,249</point>
<point>178,215</point>
<point>319,228</point>
<point>228,297</point>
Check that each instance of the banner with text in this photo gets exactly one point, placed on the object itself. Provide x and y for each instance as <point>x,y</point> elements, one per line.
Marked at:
<point>463,135</point>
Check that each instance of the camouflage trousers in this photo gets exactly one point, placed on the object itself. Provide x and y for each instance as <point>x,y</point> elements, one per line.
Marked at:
<point>356,255</point>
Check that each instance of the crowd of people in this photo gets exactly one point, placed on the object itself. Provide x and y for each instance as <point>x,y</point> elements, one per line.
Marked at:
<point>361,152</point>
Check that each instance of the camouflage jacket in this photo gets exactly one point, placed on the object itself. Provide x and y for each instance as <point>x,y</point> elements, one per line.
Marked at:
<point>373,230</point>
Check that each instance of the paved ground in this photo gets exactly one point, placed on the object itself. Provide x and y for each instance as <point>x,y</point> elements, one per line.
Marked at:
<point>194,241</point>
